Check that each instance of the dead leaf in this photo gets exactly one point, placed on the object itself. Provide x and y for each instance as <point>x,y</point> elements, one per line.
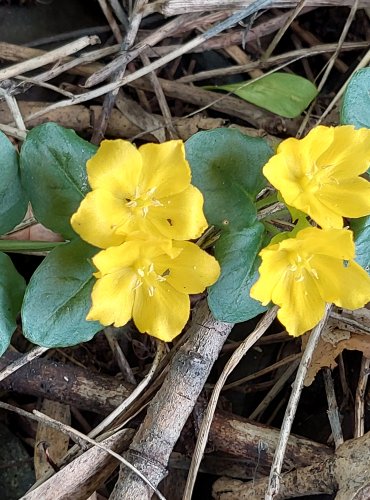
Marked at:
<point>325,352</point>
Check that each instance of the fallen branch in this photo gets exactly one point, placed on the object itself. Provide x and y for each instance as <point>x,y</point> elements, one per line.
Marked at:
<point>81,118</point>
<point>346,474</point>
<point>65,383</point>
<point>170,408</point>
<point>48,57</point>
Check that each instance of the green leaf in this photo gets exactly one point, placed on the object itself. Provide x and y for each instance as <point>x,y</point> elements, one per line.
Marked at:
<point>53,170</point>
<point>28,246</point>
<point>13,201</point>
<point>237,252</point>
<point>227,167</point>
<point>58,298</point>
<point>361,231</point>
<point>356,100</point>
<point>12,287</point>
<point>281,93</point>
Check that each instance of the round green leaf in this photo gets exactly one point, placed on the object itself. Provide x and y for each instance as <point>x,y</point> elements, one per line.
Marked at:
<point>237,253</point>
<point>53,170</point>
<point>12,286</point>
<point>361,231</point>
<point>356,101</point>
<point>58,298</point>
<point>227,167</point>
<point>281,93</point>
<point>13,201</point>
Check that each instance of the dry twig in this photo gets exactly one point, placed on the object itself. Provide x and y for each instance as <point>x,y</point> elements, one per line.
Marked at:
<point>260,329</point>
<point>274,480</point>
<point>35,353</point>
<point>169,409</point>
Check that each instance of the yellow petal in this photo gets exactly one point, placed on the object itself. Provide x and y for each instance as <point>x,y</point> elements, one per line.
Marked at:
<point>317,141</point>
<point>285,169</point>
<point>162,314</point>
<point>350,198</point>
<point>301,305</point>
<point>113,298</point>
<point>272,271</point>
<point>114,259</point>
<point>349,154</point>
<point>164,168</point>
<point>192,271</point>
<point>323,215</point>
<point>294,159</point>
<point>181,216</point>
<point>115,167</point>
<point>346,285</point>
<point>336,243</point>
<point>97,217</point>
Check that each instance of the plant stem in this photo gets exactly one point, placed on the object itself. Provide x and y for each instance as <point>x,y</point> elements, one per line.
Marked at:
<point>28,246</point>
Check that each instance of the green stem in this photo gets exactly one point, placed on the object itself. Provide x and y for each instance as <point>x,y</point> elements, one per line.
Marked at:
<point>271,228</point>
<point>28,246</point>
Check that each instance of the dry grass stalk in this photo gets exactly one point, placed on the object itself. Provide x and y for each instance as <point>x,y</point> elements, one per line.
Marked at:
<point>176,7</point>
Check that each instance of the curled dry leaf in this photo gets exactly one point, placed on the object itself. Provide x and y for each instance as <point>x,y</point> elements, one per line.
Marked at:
<point>351,332</point>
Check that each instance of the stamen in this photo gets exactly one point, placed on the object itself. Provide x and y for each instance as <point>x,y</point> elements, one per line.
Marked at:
<point>131,204</point>
<point>157,203</point>
<point>145,211</point>
<point>160,278</point>
<point>140,272</point>
<point>314,272</point>
<point>300,278</point>
<point>151,191</point>
<point>151,290</point>
<point>137,285</point>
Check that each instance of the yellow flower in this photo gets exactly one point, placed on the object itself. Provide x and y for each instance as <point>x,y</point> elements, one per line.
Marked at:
<point>301,274</point>
<point>146,189</point>
<point>150,281</point>
<point>319,174</point>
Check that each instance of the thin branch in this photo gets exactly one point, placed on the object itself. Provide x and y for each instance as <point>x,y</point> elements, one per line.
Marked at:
<point>275,390</point>
<point>274,479</point>
<point>279,35</point>
<point>260,329</point>
<point>112,417</point>
<point>13,132</point>
<point>110,98</point>
<point>287,57</point>
<point>111,20</point>
<point>264,371</point>
<point>239,16</point>
<point>333,413</point>
<point>76,436</point>
<point>360,397</point>
<point>14,109</point>
<point>48,57</point>
<point>35,353</point>
<point>331,63</point>
<point>362,64</point>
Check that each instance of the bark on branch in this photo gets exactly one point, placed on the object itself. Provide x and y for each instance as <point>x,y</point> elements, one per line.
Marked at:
<point>170,408</point>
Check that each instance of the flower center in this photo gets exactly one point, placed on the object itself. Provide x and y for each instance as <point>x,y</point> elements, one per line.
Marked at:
<point>300,266</point>
<point>146,275</point>
<point>317,176</point>
<point>141,202</point>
